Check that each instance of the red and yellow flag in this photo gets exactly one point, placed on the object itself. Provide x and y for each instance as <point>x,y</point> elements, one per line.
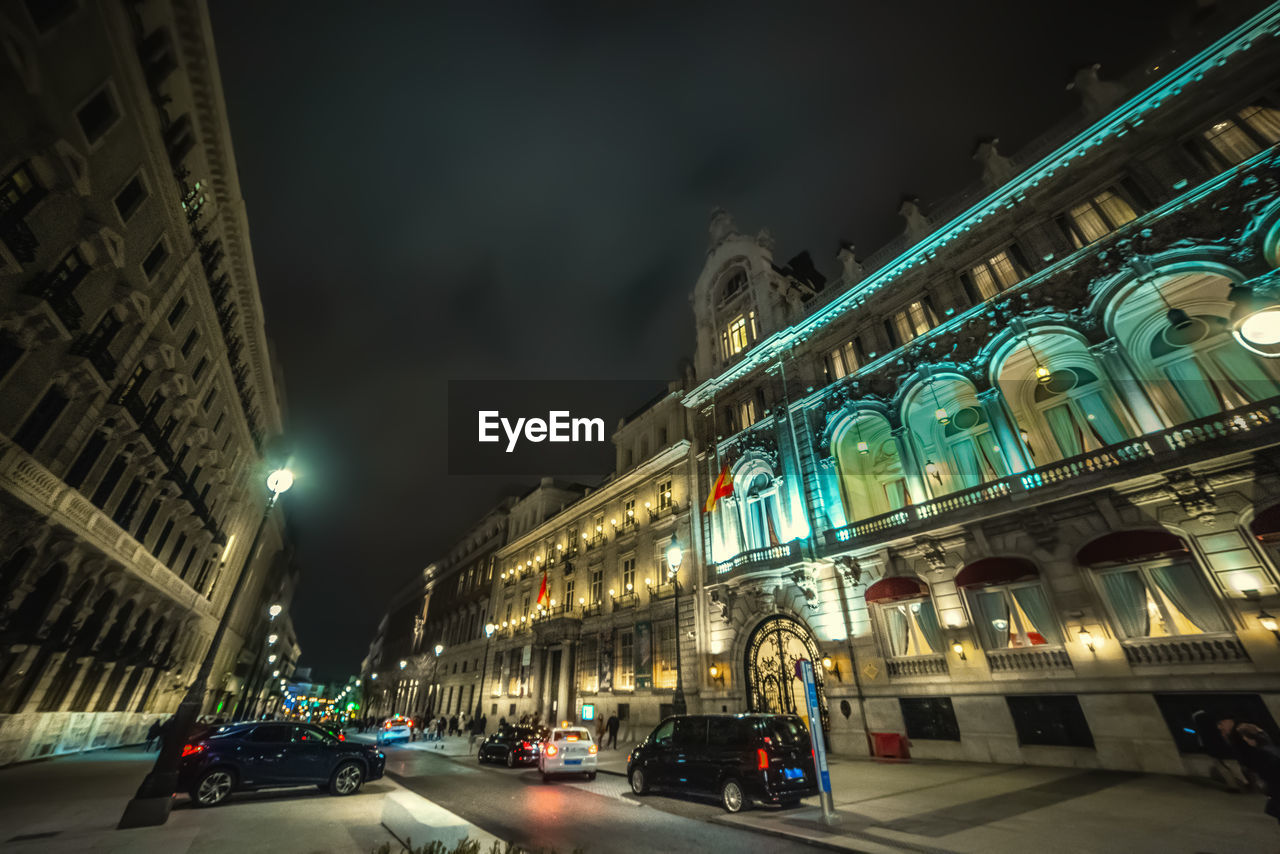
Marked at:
<point>542,591</point>
<point>721,488</point>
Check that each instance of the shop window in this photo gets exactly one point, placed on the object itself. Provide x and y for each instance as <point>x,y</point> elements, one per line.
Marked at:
<point>1191,732</point>
<point>911,628</point>
<point>1160,599</point>
<point>930,717</point>
<point>1014,616</point>
<point>1050,719</point>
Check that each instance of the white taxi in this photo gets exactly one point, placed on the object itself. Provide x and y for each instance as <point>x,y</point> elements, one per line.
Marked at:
<point>568,750</point>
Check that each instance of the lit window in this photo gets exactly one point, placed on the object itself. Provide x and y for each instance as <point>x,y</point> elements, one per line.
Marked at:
<point>1013,617</point>
<point>911,628</point>
<point>994,275</point>
<point>844,361</point>
<point>1161,600</point>
<point>1097,217</point>
<point>746,414</point>
<point>664,494</point>
<point>629,512</point>
<point>624,670</point>
<point>664,664</point>
<point>915,320</point>
<point>738,335</point>
<point>628,574</point>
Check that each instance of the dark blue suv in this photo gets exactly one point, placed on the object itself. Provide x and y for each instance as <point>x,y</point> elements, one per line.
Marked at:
<point>273,754</point>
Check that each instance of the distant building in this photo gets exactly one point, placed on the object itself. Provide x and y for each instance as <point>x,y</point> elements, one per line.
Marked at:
<point>136,381</point>
<point>1014,477</point>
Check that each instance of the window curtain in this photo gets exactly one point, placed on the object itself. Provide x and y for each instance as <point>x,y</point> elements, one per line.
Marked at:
<point>1193,387</point>
<point>1104,420</point>
<point>896,492</point>
<point>990,607</point>
<point>968,471</point>
<point>895,626</point>
<point>1128,596</point>
<point>927,619</point>
<point>1063,427</point>
<point>1242,371</point>
<point>1182,586</point>
<point>1035,606</point>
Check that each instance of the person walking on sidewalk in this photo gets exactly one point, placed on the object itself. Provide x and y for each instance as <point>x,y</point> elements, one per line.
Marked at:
<point>1258,753</point>
<point>453,725</point>
<point>612,727</point>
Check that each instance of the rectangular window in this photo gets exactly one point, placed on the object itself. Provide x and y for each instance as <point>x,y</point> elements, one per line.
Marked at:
<point>89,454</point>
<point>628,574</point>
<point>738,335</point>
<point>1013,617</point>
<point>746,413</point>
<point>1160,599</point>
<point>41,420</point>
<point>993,275</point>
<point>664,665</point>
<point>209,398</point>
<point>199,369</point>
<point>189,344</point>
<point>913,321</point>
<point>664,494</point>
<point>629,512</point>
<point>911,628</point>
<point>569,601</point>
<point>109,481</point>
<point>571,541</point>
<point>930,717</point>
<point>98,115</point>
<point>10,353</point>
<point>1052,719</point>
<point>19,191</point>
<point>155,259</point>
<point>597,587</point>
<point>624,663</point>
<point>129,199</point>
<point>178,311</point>
<point>1098,216</point>
<point>844,361</point>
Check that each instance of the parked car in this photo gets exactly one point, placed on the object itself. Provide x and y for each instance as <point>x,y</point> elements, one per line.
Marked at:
<point>515,744</point>
<point>738,758</point>
<point>267,755</point>
<point>398,728</point>
<point>568,750</point>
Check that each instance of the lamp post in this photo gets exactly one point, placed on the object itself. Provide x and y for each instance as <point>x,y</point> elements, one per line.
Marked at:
<point>484,668</point>
<point>400,688</point>
<point>435,678</point>
<point>675,557</point>
<point>250,703</point>
<point>150,805</point>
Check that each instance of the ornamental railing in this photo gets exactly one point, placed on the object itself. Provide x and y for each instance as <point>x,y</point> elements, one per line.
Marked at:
<point>768,557</point>
<point>1186,649</point>
<point>919,665</point>
<point>1247,426</point>
<point>1027,659</point>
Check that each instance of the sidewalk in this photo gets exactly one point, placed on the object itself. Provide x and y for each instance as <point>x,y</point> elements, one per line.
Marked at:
<point>72,804</point>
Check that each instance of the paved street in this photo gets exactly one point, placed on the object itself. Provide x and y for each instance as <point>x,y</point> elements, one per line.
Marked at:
<point>599,816</point>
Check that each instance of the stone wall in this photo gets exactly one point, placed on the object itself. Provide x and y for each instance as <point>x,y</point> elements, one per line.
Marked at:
<point>36,735</point>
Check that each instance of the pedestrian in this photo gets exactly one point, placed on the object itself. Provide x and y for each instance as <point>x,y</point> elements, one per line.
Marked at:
<point>1257,753</point>
<point>453,725</point>
<point>1219,750</point>
<point>612,727</point>
<point>166,731</point>
<point>153,734</point>
<point>502,723</point>
<point>600,730</point>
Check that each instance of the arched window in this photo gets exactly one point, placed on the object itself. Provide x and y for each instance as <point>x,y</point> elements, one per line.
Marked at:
<point>1008,603</point>
<point>760,512</point>
<point>958,448</point>
<point>1078,415</point>
<point>908,621</point>
<point>871,477</point>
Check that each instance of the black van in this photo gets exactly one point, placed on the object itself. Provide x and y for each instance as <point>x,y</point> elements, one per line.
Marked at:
<point>739,758</point>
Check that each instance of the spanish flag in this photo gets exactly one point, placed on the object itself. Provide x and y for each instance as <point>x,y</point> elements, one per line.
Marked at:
<point>542,591</point>
<point>721,488</point>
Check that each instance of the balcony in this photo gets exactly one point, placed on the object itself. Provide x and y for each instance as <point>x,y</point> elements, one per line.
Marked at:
<point>917,666</point>
<point>1028,659</point>
<point>1188,649</point>
<point>625,600</point>
<point>769,557</point>
<point>1239,430</point>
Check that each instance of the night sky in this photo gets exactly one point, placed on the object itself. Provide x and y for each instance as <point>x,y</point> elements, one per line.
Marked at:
<point>459,191</point>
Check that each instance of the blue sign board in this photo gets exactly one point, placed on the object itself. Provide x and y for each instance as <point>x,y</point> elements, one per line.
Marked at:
<point>804,670</point>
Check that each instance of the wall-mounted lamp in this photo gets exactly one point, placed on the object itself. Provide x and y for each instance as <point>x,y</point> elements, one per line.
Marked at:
<point>1268,622</point>
<point>931,469</point>
<point>830,665</point>
<point>958,649</point>
<point>716,674</point>
<point>613,594</point>
<point>1086,638</point>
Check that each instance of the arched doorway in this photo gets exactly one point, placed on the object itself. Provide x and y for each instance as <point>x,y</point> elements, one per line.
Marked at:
<point>772,652</point>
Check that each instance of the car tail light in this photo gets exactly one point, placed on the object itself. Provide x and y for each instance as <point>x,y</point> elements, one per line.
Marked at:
<point>408,723</point>
<point>525,745</point>
<point>552,750</point>
<point>593,749</point>
<point>342,736</point>
<point>189,749</point>
<point>762,759</point>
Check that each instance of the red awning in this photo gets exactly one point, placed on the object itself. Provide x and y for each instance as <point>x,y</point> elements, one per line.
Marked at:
<point>1130,547</point>
<point>996,570</point>
<point>893,589</point>
<point>1266,525</point>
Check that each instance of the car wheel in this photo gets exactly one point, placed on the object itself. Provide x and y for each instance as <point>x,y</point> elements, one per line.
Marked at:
<point>639,785</point>
<point>591,775</point>
<point>732,798</point>
<point>511,759</point>
<point>347,779</point>
<point>213,787</point>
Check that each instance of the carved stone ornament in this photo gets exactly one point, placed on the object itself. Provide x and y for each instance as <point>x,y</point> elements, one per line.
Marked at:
<point>848,566</point>
<point>1041,527</point>
<point>1194,495</point>
<point>932,551</point>
<point>722,600</point>
<point>808,585</point>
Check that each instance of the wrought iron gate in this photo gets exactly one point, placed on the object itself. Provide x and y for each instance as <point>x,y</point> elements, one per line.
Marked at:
<point>775,647</point>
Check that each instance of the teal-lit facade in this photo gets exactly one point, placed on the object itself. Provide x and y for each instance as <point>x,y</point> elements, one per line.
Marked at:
<point>1015,475</point>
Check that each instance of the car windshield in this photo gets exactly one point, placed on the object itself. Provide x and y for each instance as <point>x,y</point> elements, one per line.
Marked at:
<point>788,732</point>
<point>571,735</point>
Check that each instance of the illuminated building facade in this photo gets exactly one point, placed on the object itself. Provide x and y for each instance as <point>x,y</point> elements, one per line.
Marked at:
<point>1014,476</point>
<point>136,385</point>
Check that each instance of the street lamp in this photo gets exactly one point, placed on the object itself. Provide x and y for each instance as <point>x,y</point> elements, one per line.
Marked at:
<point>489,629</point>
<point>150,805</point>
<point>675,557</point>
<point>274,611</point>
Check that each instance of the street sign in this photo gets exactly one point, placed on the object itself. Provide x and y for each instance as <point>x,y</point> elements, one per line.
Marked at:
<point>804,672</point>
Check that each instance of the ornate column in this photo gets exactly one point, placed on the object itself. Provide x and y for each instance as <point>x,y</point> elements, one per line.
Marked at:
<point>564,693</point>
<point>1140,407</point>
<point>1005,429</point>
<point>909,455</point>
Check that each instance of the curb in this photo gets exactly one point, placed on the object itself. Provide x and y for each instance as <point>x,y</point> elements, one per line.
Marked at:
<point>780,834</point>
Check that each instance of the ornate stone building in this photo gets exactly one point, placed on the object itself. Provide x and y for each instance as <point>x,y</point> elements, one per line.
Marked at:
<point>136,383</point>
<point>1014,477</point>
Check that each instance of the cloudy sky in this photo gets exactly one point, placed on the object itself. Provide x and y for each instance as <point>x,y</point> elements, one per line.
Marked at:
<point>447,191</point>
